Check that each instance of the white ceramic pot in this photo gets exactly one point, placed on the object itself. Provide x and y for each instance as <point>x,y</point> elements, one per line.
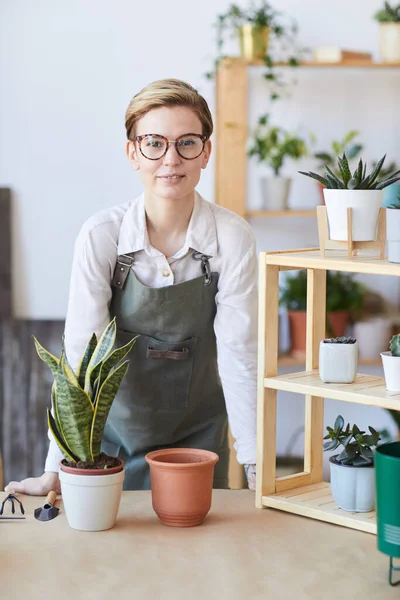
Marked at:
<point>389,42</point>
<point>391,368</point>
<point>373,337</point>
<point>338,362</point>
<point>91,502</point>
<point>365,205</point>
<point>275,192</point>
<point>353,488</point>
<point>393,234</point>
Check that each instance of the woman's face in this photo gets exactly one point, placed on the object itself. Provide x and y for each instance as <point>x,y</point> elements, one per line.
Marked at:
<point>170,177</point>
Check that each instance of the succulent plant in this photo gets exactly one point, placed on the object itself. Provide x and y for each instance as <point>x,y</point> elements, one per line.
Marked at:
<point>81,400</point>
<point>388,14</point>
<point>356,181</point>
<point>357,445</point>
<point>340,340</point>
<point>394,345</point>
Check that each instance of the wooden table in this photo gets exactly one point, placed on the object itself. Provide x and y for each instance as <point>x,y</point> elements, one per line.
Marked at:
<point>239,553</point>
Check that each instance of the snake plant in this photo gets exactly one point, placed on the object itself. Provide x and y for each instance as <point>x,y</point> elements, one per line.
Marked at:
<point>395,345</point>
<point>81,400</point>
<point>358,180</point>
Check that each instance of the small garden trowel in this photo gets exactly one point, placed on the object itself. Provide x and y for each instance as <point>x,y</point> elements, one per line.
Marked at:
<point>48,511</point>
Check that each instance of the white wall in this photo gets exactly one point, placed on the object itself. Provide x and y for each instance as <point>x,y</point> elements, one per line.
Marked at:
<point>68,69</point>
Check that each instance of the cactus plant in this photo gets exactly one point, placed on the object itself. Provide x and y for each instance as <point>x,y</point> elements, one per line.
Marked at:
<point>81,399</point>
<point>340,340</point>
<point>394,345</point>
<point>356,181</point>
<point>357,445</point>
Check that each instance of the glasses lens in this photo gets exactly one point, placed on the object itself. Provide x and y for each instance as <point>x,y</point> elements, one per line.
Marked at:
<point>189,146</point>
<point>153,146</point>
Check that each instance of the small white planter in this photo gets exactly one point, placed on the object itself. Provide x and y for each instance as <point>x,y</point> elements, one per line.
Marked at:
<point>389,42</point>
<point>365,205</point>
<point>353,488</point>
<point>275,192</point>
<point>91,502</point>
<point>393,234</point>
<point>391,368</point>
<point>373,336</point>
<point>338,362</point>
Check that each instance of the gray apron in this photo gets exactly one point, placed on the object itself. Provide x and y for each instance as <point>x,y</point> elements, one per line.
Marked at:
<point>172,394</point>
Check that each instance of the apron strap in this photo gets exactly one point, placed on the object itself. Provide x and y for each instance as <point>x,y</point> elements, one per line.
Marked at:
<point>205,266</point>
<point>121,271</point>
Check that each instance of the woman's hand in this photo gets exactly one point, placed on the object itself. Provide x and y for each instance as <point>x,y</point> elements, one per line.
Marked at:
<point>36,486</point>
<point>250,471</point>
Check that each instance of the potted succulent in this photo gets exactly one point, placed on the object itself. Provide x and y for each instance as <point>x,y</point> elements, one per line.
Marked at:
<point>359,191</point>
<point>393,231</point>
<point>257,27</point>
<point>91,481</point>
<point>338,360</point>
<point>391,364</point>
<point>344,299</point>
<point>271,145</point>
<point>388,18</point>
<point>352,471</point>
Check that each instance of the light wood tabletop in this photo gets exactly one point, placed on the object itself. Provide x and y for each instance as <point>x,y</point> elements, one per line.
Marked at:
<point>240,552</point>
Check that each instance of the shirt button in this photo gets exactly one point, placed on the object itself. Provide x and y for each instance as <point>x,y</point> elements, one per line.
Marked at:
<point>166,273</point>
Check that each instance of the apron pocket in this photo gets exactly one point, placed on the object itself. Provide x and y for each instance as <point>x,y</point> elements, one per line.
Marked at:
<point>159,373</point>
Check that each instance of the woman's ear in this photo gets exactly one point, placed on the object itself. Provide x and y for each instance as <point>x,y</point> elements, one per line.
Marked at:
<point>131,153</point>
<point>206,154</point>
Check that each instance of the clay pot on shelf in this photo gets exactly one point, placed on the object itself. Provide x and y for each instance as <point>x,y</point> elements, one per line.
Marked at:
<point>181,484</point>
<point>297,319</point>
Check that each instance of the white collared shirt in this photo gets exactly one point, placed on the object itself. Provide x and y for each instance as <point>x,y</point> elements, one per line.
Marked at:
<point>212,230</point>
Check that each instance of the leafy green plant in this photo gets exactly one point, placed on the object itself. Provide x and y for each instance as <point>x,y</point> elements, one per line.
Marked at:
<point>394,345</point>
<point>342,292</point>
<point>271,145</point>
<point>356,181</point>
<point>388,14</point>
<point>338,147</point>
<point>281,35</point>
<point>357,445</point>
<point>340,340</point>
<point>81,400</point>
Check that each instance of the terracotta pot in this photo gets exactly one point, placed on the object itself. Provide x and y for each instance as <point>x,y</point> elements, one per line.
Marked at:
<point>321,191</point>
<point>181,484</point>
<point>297,321</point>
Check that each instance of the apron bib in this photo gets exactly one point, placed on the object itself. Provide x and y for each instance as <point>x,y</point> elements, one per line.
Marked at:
<point>172,394</point>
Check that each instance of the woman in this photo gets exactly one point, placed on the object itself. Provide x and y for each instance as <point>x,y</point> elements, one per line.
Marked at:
<point>182,273</point>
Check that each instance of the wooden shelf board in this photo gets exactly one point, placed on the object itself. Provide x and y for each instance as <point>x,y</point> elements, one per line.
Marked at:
<point>366,389</point>
<point>336,260</point>
<point>364,64</point>
<point>287,360</point>
<point>280,213</point>
<point>316,501</point>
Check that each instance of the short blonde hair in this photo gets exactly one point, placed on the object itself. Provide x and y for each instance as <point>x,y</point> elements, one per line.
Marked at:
<point>168,92</point>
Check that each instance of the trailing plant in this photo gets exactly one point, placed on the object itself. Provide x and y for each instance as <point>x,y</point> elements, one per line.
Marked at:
<point>357,445</point>
<point>271,145</point>
<point>337,148</point>
<point>81,399</point>
<point>340,340</point>
<point>282,37</point>
<point>342,292</point>
<point>359,180</point>
<point>388,14</point>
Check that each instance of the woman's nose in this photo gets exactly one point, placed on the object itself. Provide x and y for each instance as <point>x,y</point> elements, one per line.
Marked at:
<point>171,156</point>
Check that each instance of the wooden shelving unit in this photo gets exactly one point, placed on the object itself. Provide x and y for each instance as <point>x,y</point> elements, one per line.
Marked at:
<point>231,132</point>
<point>306,493</point>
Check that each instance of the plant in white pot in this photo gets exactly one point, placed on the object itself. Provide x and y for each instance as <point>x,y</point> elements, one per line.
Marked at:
<point>338,359</point>
<point>271,145</point>
<point>393,231</point>
<point>391,364</point>
<point>388,18</point>
<point>352,471</point>
<point>361,192</point>
<point>91,481</point>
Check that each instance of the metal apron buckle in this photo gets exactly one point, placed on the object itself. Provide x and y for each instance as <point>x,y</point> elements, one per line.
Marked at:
<point>124,263</point>
<point>205,265</point>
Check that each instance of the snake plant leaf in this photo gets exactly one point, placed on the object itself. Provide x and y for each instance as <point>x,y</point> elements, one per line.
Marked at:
<point>75,412</point>
<point>103,348</point>
<point>114,358</point>
<point>331,174</point>
<point>68,369</point>
<point>58,438</point>
<point>46,356</point>
<point>369,180</point>
<point>87,355</point>
<point>314,176</point>
<point>382,184</point>
<point>344,169</point>
<point>105,398</point>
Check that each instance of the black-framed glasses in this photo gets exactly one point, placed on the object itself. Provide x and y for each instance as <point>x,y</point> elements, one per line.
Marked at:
<point>154,146</point>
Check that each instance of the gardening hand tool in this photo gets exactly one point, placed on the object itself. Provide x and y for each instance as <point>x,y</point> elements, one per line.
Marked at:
<point>10,498</point>
<point>48,511</point>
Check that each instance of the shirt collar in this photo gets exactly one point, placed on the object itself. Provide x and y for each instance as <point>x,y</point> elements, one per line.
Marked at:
<point>201,234</point>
